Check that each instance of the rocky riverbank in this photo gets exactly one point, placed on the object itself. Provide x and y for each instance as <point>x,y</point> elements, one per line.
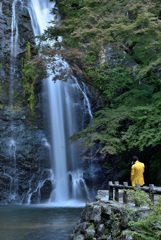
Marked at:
<point>108,220</point>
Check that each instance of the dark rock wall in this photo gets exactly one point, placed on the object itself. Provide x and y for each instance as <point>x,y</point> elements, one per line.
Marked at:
<point>107,220</point>
<point>23,150</point>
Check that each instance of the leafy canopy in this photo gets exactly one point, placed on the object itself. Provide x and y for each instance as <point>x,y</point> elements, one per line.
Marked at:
<point>132,111</point>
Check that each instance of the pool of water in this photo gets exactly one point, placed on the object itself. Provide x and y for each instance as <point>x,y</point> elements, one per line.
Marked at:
<point>37,222</point>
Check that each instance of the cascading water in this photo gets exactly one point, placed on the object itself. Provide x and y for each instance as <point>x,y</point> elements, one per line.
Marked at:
<point>1,8</point>
<point>65,111</point>
<point>10,170</point>
<point>27,197</point>
<point>14,37</point>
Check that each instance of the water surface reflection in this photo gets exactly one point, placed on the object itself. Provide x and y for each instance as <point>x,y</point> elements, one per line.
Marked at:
<point>37,222</point>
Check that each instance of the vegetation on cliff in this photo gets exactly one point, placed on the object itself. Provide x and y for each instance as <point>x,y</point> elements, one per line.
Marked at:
<point>130,119</point>
<point>148,227</point>
<point>109,220</point>
<point>33,69</point>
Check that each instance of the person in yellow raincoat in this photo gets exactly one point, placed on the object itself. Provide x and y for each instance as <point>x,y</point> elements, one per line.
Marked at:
<point>137,171</point>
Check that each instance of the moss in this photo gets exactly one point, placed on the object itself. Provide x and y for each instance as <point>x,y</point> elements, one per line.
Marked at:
<point>33,70</point>
<point>15,108</point>
<point>91,226</point>
<point>2,106</point>
<point>104,237</point>
<point>89,236</point>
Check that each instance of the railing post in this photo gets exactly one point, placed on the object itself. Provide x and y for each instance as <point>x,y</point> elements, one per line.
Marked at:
<point>138,185</point>
<point>136,203</point>
<point>125,196</point>
<point>151,194</point>
<point>117,191</point>
<point>110,187</point>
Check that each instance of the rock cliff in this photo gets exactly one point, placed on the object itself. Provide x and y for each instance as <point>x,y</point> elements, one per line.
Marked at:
<point>24,160</point>
<point>108,220</point>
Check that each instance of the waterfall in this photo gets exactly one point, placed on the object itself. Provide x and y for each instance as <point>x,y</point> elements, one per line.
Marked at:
<point>14,32</point>
<point>1,9</point>
<point>10,170</point>
<point>65,113</point>
<point>14,39</point>
<point>37,189</point>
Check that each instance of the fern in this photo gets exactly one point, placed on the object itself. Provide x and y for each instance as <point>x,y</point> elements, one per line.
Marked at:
<point>148,227</point>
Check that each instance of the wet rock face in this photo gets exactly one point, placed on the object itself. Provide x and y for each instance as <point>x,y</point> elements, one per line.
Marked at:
<point>24,156</point>
<point>24,153</point>
<point>25,33</point>
<point>106,220</point>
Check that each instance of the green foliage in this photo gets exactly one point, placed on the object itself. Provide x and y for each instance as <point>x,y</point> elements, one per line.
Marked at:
<point>91,226</point>
<point>131,117</point>
<point>103,237</point>
<point>112,82</point>
<point>32,72</point>
<point>103,130</point>
<point>88,237</point>
<point>125,127</point>
<point>148,228</point>
<point>140,197</point>
<point>89,25</point>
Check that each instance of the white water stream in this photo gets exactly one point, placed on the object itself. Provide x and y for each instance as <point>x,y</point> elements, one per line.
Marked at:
<point>10,170</point>
<point>64,110</point>
<point>1,9</point>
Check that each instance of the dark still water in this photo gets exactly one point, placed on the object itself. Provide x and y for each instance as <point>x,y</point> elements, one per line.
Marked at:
<point>37,222</point>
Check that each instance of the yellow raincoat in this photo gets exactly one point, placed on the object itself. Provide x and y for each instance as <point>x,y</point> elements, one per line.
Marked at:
<point>137,171</point>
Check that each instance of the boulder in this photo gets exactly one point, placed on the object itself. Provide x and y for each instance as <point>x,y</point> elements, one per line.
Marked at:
<point>107,220</point>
